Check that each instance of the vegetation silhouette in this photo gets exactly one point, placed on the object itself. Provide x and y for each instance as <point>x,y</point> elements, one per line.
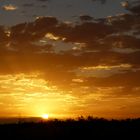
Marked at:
<point>80,128</point>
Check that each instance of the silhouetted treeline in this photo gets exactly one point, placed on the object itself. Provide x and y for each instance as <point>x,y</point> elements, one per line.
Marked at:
<point>89,128</point>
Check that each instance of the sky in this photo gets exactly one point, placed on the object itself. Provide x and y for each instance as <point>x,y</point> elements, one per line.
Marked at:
<point>68,58</point>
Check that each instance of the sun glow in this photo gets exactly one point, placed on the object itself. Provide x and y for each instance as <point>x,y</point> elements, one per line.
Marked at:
<point>45,116</point>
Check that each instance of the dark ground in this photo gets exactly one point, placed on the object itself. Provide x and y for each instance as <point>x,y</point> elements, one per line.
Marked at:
<point>88,129</point>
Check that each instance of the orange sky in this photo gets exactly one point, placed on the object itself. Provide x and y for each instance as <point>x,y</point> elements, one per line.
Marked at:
<point>71,68</point>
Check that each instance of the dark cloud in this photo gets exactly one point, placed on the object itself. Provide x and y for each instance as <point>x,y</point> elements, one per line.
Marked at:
<point>135,7</point>
<point>32,31</point>
<point>3,36</point>
<point>88,31</point>
<point>86,18</point>
<point>127,79</point>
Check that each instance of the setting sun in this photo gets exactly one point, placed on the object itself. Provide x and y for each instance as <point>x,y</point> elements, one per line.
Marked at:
<point>45,116</point>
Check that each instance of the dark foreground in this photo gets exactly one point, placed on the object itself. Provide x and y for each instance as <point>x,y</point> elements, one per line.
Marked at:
<point>90,128</point>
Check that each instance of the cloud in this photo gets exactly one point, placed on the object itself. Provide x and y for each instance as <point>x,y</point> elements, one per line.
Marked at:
<point>102,70</point>
<point>134,7</point>
<point>33,31</point>
<point>9,7</point>
<point>127,79</point>
<point>51,36</point>
<point>125,4</point>
<point>3,36</point>
<point>108,50</point>
<point>86,18</point>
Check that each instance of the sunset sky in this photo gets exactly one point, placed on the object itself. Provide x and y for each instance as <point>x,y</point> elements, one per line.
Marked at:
<point>68,58</point>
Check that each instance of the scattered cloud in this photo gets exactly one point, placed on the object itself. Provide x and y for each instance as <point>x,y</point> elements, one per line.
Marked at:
<point>125,4</point>
<point>51,36</point>
<point>9,7</point>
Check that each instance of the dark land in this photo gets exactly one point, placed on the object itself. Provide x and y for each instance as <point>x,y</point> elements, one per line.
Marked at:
<point>81,128</point>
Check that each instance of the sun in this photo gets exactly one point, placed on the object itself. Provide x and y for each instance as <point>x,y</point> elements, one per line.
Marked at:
<point>45,116</point>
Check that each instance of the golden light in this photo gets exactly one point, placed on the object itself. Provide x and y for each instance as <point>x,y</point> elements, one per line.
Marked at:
<point>52,37</point>
<point>45,116</point>
<point>9,7</point>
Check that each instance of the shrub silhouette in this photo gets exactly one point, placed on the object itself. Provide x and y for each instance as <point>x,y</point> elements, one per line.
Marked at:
<point>81,128</point>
